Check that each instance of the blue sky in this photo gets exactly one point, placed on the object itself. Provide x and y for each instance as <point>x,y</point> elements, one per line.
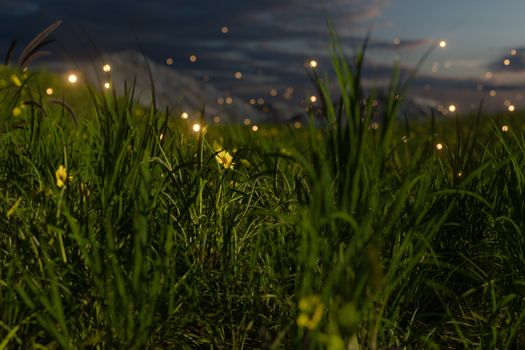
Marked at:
<point>269,41</point>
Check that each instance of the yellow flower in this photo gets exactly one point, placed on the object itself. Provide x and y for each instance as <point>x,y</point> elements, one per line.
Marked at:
<point>225,159</point>
<point>16,111</point>
<point>62,176</point>
<point>15,80</point>
<point>311,312</point>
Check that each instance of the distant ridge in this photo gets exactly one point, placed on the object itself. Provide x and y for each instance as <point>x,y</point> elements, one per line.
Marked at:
<point>179,92</point>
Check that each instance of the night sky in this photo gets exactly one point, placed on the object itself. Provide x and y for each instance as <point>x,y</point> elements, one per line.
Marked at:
<point>270,41</point>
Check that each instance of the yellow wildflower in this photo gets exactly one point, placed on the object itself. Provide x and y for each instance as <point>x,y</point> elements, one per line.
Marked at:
<point>16,80</point>
<point>62,176</point>
<point>225,159</point>
<point>16,111</point>
<point>311,312</point>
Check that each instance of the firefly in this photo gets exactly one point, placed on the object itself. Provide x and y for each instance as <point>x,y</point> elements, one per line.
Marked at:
<point>72,78</point>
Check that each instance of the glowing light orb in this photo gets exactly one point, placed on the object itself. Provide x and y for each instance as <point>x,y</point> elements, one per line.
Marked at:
<point>196,127</point>
<point>504,128</point>
<point>225,30</point>
<point>107,85</point>
<point>273,92</point>
<point>253,101</point>
<point>297,125</point>
<point>184,115</point>
<point>442,44</point>
<point>313,64</point>
<point>255,128</point>
<point>452,108</point>
<point>49,91</point>
<point>247,121</point>
<point>313,99</point>
<point>238,75</point>
<point>506,62</point>
<point>439,146</point>
<point>169,61</point>
<point>72,78</point>
<point>513,52</point>
<point>106,68</point>
<point>229,100</point>
<point>512,108</point>
<point>217,119</point>
<point>492,93</point>
<point>193,58</point>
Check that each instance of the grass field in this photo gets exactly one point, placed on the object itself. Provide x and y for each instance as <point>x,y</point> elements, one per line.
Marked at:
<point>121,228</point>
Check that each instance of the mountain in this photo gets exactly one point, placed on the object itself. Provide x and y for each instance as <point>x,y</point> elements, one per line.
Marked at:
<point>179,92</point>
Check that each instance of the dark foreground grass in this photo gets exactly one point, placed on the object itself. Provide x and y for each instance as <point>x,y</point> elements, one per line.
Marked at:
<point>120,228</point>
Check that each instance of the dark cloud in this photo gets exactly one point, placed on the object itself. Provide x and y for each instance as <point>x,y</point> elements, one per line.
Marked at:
<point>17,7</point>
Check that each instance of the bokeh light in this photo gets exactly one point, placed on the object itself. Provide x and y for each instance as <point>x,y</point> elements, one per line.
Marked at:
<point>72,78</point>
